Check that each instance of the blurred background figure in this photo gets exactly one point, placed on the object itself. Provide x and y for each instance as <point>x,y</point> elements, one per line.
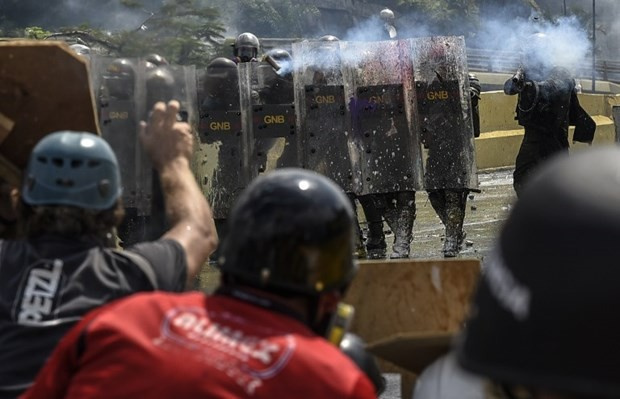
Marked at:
<point>541,325</point>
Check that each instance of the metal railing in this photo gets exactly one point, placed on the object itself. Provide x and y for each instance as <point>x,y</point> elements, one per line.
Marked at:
<point>507,62</point>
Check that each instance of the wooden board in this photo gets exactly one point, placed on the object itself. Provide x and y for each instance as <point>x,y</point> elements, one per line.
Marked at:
<point>44,87</point>
<point>411,308</point>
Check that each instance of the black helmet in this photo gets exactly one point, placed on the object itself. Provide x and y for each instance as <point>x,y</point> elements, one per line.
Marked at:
<point>222,81</point>
<point>280,55</point>
<point>291,231</point>
<point>544,312</point>
<point>246,47</point>
<point>81,49</point>
<point>159,86</point>
<point>120,78</point>
<point>156,59</point>
<point>221,67</point>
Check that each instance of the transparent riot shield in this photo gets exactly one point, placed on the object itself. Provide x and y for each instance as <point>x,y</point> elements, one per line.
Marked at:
<point>444,110</point>
<point>164,83</point>
<point>119,85</point>
<point>378,82</point>
<point>323,120</point>
<point>126,89</point>
<point>220,160</point>
<point>270,124</point>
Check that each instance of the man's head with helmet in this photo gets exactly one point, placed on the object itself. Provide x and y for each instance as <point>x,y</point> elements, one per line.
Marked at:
<point>292,237</point>
<point>245,47</point>
<point>543,320</point>
<point>221,83</point>
<point>120,78</point>
<point>72,187</point>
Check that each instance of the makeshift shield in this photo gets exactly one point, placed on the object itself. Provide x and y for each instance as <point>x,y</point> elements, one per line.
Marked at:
<point>45,88</point>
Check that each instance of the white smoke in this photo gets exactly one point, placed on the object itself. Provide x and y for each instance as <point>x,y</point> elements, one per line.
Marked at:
<point>563,43</point>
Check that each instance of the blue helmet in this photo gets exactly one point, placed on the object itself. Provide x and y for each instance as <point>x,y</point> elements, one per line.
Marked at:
<point>72,168</point>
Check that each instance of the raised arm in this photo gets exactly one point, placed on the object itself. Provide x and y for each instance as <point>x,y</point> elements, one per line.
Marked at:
<point>169,144</point>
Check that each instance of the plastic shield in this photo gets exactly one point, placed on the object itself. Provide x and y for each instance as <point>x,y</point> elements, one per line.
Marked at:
<point>270,125</point>
<point>378,83</point>
<point>444,109</point>
<point>126,93</point>
<point>120,99</point>
<point>221,159</point>
<point>322,117</point>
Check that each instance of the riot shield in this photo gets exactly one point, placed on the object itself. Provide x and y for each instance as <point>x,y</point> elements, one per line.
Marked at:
<point>119,85</point>
<point>379,85</point>
<point>221,160</point>
<point>270,125</point>
<point>444,110</point>
<point>164,83</point>
<point>322,118</point>
<point>44,87</point>
<point>126,90</point>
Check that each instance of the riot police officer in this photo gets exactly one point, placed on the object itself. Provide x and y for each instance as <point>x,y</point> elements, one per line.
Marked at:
<point>397,208</point>
<point>221,86</point>
<point>450,203</point>
<point>245,48</point>
<point>547,104</point>
<point>326,71</point>
<point>119,80</point>
<point>278,87</point>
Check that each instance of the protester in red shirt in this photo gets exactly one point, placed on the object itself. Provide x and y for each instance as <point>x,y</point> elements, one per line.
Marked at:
<point>285,266</point>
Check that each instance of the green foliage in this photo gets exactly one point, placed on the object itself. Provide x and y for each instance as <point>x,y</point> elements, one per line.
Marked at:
<point>183,31</point>
<point>36,32</point>
<point>276,18</point>
<point>186,32</point>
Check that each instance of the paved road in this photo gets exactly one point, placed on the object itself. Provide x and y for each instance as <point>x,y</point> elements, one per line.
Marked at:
<point>485,213</point>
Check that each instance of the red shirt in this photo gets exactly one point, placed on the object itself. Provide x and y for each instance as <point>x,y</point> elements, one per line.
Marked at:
<point>191,345</point>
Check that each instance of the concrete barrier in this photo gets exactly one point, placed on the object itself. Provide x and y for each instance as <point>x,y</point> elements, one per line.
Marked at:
<point>501,135</point>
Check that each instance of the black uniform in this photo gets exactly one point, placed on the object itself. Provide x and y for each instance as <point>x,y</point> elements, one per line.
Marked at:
<point>545,108</point>
<point>47,284</point>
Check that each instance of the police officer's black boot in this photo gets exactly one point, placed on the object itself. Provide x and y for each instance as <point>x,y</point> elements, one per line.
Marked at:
<point>403,218</point>
<point>455,214</point>
<point>374,207</point>
<point>403,234</point>
<point>375,241</point>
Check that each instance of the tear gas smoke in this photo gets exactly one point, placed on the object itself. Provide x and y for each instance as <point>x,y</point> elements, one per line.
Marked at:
<point>566,42</point>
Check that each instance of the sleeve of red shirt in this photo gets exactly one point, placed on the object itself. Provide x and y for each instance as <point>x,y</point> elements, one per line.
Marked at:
<point>54,379</point>
<point>363,389</point>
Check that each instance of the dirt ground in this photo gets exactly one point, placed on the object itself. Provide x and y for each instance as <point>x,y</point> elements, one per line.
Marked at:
<point>485,213</point>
